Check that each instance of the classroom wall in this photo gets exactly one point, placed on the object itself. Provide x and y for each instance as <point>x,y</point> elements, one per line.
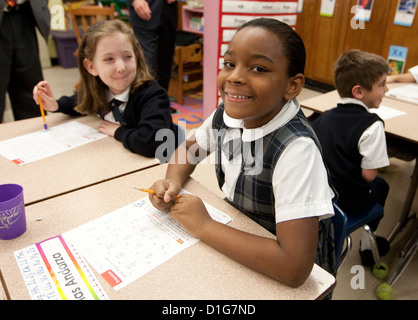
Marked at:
<point>326,38</point>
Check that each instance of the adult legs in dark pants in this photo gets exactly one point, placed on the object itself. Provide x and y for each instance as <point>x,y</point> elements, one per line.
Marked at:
<point>19,63</point>
<point>158,46</point>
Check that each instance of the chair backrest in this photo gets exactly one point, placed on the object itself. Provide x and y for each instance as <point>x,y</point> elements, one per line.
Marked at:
<point>89,15</point>
<point>340,222</point>
<point>186,54</point>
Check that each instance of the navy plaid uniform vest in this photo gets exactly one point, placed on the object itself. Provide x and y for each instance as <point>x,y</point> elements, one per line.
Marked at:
<point>254,192</point>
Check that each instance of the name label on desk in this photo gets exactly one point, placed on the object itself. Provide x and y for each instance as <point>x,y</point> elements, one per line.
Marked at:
<point>54,270</point>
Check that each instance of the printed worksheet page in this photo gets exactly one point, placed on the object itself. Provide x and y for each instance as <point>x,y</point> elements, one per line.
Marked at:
<point>129,242</point>
<point>46,143</point>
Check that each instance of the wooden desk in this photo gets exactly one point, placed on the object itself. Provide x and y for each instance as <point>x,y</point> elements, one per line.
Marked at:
<point>83,166</point>
<point>199,272</point>
<point>402,129</point>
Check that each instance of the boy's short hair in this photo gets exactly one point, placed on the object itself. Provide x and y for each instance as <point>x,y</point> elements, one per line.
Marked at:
<point>357,67</point>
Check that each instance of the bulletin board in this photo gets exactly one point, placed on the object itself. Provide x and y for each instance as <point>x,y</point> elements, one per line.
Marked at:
<point>385,25</point>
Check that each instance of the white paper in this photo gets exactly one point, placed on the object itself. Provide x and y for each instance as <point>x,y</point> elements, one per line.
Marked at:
<point>268,7</point>
<point>126,244</point>
<point>327,8</point>
<point>235,21</point>
<point>300,6</point>
<point>46,143</point>
<point>408,93</point>
<point>387,113</point>
<point>54,270</point>
<point>405,13</point>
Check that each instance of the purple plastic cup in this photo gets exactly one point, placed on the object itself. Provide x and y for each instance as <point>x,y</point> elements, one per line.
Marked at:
<point>12,211</point>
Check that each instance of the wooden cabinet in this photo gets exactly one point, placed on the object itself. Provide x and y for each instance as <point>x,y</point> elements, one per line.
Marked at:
<point>326,38</point>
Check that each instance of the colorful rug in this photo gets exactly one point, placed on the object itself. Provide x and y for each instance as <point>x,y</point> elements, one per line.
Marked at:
<point>191,112</point>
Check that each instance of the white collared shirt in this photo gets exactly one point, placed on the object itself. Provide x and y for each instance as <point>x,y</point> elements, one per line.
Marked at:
<point>372,143</point>
<point>414,72</point>
<point>300,182</point>
<point>124,96</point>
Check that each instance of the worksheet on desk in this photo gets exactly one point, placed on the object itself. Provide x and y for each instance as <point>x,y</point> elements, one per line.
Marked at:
<point>126,244</point>
<point>387,113</point>
<point>46,143</point>
<point>408,93</point>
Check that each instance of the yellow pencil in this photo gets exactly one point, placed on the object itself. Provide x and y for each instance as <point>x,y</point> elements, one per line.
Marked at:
<point>42,113</point>
<point>152,191</point>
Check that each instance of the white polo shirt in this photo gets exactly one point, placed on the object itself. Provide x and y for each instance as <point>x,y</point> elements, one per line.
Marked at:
<point>372,143</point>
<point>414,72</point>
<point>300,183</point>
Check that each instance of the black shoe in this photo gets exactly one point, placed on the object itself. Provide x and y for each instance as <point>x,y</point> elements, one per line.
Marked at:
<point>383,245</point>
<point>367,259</point>
<point>366,256</point>
<point>173,110</point>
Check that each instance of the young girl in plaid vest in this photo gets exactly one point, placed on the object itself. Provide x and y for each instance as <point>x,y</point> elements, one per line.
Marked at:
<point>268,161</point>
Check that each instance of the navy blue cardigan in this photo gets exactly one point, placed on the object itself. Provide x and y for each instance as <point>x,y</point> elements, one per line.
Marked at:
<point>147,111</point>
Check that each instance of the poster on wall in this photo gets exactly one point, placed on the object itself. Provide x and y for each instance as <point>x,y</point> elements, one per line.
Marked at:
<point>405,13</point>
<point>327,8</point>
<point>300,6</point>
<point>364,10</point>
<point>396,59</point>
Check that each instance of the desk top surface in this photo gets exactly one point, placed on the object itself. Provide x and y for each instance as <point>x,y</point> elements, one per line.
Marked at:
<point>82,166</point>
<point>199,272</point>
<point>403,126</point>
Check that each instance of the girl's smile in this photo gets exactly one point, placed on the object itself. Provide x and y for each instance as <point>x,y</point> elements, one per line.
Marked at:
<point>236,96</point>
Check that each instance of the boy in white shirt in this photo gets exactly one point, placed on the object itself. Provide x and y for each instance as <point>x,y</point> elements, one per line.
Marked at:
<point>353,139</point>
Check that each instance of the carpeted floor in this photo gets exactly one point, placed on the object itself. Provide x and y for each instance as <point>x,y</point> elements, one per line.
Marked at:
<point>191,112</point>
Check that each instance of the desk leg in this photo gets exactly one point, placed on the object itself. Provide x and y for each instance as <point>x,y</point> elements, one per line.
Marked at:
<point>410,252</point>
<point>407,205</point>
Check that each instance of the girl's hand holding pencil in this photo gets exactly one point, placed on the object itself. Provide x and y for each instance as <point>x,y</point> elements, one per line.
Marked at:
<point>42,113</point>
<point>152,191</point>
<point>163,193</point>
<point>43,91</point>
